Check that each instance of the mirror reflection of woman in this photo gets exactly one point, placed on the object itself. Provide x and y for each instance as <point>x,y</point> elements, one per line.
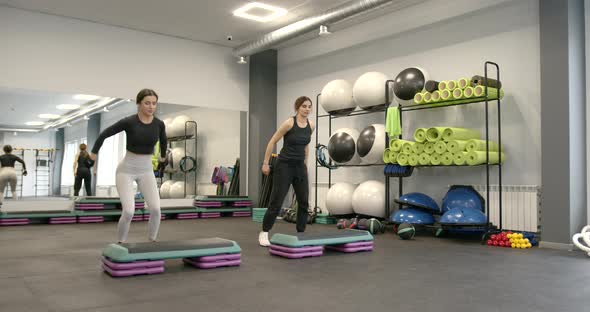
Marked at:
<point>82,168</point>
<point>8,173</point>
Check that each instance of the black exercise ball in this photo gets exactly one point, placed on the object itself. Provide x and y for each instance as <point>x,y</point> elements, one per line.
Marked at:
<point>407,83</point>
<point>342,146</point>
<point>371,144</point>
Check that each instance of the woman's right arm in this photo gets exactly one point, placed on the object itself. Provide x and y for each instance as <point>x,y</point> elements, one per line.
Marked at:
<point>108,132</point>
<point>76,162</point>
<point>279,134</point>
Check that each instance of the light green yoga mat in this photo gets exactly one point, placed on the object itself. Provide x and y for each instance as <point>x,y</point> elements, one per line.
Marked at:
<point>419,98</point>
<point>447,159</point>
<point>396,145</point>
<point>427,97</point>
<point>440,147</point>
<point>479,158</point>
<point>434,134</point>
<point>479,92</point>
<point>468,92</point>
<point>386,153</point>
<point>450,134</point>
<point>442,85</point>
<point>402,159</point>
<point>407,147</point>
<point>480,145</point>
<point>424,159</point>
<point>418,148</point>
<point>446,95</point>
<point>457,94</point>
<point>393,157</point>
<point>459,158</point>
<point>435,159</point>
<point>435,97</point>
<point>463,83</point>
<point>429,147</point>
<point>455,146</point>
<point>452,84</point>
<point>420,135</point>
<point>413,160</point>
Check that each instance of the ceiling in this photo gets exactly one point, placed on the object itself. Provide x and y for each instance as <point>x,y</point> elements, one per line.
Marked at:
<point>205,20</point>
<point>19,106</point>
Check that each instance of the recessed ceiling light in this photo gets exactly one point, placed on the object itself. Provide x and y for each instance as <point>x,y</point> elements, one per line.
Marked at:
<point>68,106</point>
<point>49,116</point>
<point>86,97</point>
<point>34,123</point>
<point>275,12</point>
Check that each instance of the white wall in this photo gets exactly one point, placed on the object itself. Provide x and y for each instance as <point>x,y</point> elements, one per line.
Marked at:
<point>507,33</point>
<point>51,53</point>
<point>30,141</point>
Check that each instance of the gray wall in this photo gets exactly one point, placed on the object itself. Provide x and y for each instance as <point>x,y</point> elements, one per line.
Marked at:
<point>562,119</point>
<point>263,114</point>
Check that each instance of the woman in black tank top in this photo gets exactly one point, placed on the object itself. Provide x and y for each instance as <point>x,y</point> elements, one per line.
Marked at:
<point>291,167</point>
<point>82,171</point>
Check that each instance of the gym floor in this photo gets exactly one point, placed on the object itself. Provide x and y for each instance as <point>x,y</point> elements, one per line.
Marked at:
<point>56,268</point>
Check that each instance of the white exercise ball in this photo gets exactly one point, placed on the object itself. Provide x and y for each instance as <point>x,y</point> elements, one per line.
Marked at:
<point>177,190</point>
<point>165,189</point>
<point>342,146</point>
<point>370,144</point>
<point>336,98</point>
<point>339,198</point>
<point>369,199</point>
<point>178,126</point>
<point>175,156</point>
<point>369,91</point>
<point>168,124</point>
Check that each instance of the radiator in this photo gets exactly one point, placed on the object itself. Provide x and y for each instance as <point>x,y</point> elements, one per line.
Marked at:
<point>520,206</point>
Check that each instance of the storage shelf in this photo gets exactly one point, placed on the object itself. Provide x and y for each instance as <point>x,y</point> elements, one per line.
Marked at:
<point>355,113</point>
<point>412,107</point>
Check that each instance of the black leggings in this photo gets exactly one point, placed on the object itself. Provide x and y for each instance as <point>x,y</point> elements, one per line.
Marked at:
<point>285,174</point>
<point>87,177</point>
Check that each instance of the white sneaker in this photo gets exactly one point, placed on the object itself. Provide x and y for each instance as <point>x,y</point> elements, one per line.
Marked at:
<point>263,239</point>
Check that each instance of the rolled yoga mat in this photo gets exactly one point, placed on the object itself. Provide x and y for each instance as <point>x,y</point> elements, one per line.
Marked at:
<point>463,83</point>
<point>468,93</point>
<point>407,147</point>
<point>442,85</point>
<point>420,135</point>
<point>479,158</point>
<point>424,159</point>
<point>419,98</point>
<point>440,147</point>
<point>450,134</point>
<point>386,153</point>
<point>427,97</point>
<point>431,85</point>
<point>446,95</point>
<point>402,159</point>
<point>447,159</point>
<point>459,158</point>
<point>457,94</point>
<point>434,134</point>
<point>418,148</point>
<point>396,145</point>
<point>452,84</point>
<point>429,147</point>
<point>479,81</point>
<point>479,92</point>
<point>393,157</point>
<point>455,146</point>
<point>413,160</point>
<point>480,145</point>
<point>435,159</point>
<point>435,96</point>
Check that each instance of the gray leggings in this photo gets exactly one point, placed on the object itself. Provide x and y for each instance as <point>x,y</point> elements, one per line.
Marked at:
<point>7,177</point>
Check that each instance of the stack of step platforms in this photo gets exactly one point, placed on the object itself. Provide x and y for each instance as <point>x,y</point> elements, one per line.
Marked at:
<point>211,206</point>
<point>94,209</point>
<point>176,208</point>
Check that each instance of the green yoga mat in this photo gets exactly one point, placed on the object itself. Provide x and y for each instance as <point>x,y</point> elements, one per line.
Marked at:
<point>402,159</point>
<point>434,134</point>
<point>420,135</point>
<point>479,92</point>
<point>418,148</point>
<point>419,98</point>
<point>435,159</point>
<point>457,94</point>
<point>386,156</point>
<point>442,85</point>
<point>424,159</point>
<point>446,95</point>
<point>463,82</point>
<point>435,97</point>
<point>427,97</point>
<point>447,159</point>
<point>393,157</point>
<point>413,160</point>
<point>407,147</point>
<point>455,146</point>
<point>480,145</point>
<point>479,158</point>
<point>450,134</point>
<point>429,147</point>
<point>459,158</point>
<point>452,84</point>
<point>440,147</point>
<point>468,93</point>
<point>396,145</point>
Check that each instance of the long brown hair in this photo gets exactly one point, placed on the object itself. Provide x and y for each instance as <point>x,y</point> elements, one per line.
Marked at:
<point>83,152</point>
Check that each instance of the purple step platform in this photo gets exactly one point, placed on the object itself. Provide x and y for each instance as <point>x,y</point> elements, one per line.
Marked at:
<point>295,255</point>
<point>137,218</point>
<point>132,272</point>
<point>210,214</point>
<point>297,249</point>
<point>212,265</point>
<point>131,265</point>
<point>208,205</point>
<point>223,257</point>
<point>146,217</point>
<point>20,221</point>
<point>241,214</point>
<point>190,215</point>
<point>351,249</point>
<point>93,219</point>
<point>62,220</point>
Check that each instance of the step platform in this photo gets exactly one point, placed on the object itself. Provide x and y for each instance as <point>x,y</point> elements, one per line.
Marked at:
<point>142,258</point>
<point>301,245</point>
